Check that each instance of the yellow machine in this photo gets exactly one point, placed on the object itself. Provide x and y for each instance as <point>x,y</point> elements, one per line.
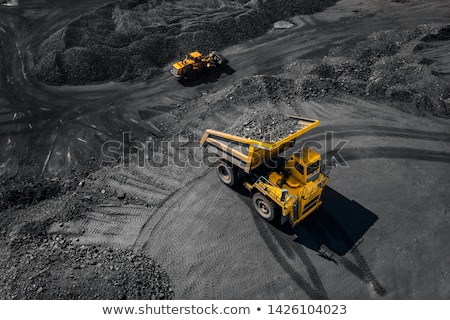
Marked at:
<point>290,187</point>
<point>195,64</point>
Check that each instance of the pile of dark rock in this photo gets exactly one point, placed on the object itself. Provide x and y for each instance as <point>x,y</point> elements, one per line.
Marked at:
<point>264,126</point>
<point>134,39</point>
<point>53,267</point>
<point>398,66</point>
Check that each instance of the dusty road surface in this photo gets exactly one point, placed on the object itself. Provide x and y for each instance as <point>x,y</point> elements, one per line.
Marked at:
<point>382,232</point>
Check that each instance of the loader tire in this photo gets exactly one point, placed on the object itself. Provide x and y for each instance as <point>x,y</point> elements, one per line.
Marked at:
<point>226,173</point>
<point>265,208</point>
<point>212,69</point>
<point>192,75</point>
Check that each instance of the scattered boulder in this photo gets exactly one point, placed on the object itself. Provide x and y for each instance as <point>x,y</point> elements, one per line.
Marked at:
<point>120,194</point>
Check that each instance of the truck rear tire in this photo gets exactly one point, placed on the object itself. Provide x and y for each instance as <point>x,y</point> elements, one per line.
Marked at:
<point>264,206</point>
<point>226,173</point>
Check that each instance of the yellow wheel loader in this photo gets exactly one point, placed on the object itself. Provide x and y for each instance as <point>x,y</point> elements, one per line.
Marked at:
<point>194,64</point>
<point>289,188</point>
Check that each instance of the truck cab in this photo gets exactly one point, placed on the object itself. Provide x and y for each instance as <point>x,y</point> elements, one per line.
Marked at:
<point>304,165</point>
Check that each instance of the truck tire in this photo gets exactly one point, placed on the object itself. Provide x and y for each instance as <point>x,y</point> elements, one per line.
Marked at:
<point>226,173</point>
<point>264,206</point>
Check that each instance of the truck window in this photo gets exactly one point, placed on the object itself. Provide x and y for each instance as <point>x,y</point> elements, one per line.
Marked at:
<point>312,168</point>
<point>299,168</point>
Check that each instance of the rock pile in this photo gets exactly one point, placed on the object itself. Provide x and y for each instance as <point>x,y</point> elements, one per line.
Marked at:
<point>130,40</point>
<point>389,65</point>
<point>55,268</point>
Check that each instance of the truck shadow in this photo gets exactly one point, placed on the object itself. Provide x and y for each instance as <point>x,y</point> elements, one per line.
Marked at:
<point>207,78</point>
<point>334,231</point>
<point>338,226</point>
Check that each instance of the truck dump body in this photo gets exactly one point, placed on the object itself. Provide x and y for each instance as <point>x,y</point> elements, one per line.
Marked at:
<point>249,154</point>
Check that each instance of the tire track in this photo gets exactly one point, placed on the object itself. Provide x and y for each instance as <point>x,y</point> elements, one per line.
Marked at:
<point>116,225</point>
<point>395,153</point>
<point>380,131</point>
<point>205,248</point>
<point>362,270</point>
<point>282,250</point>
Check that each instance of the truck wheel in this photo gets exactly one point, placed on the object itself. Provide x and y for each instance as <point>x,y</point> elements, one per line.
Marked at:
<point>226,173</point>
<point>264,206</point>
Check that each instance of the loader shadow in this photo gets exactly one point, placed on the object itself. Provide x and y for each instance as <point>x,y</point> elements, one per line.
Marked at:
<point>339,225</point>
<point>207,78</point>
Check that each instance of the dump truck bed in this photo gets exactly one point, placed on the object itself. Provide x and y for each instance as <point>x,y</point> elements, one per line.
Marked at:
<point>248,154</point>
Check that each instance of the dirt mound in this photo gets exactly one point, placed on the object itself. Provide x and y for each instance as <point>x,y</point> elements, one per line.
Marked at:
<point>264,126</point>
<point>399,66</point>
<point>133,39</point>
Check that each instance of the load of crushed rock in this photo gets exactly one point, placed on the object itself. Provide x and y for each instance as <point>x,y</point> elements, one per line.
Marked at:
<point>264,126</point>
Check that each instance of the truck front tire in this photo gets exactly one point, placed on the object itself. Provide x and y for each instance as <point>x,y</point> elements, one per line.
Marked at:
<point>264,206</point>
<point>226,173</point>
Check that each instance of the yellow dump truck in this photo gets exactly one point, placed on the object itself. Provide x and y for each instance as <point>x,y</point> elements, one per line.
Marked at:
<point>290,188</point>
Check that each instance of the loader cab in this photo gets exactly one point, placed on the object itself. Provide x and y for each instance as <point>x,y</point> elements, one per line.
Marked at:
<point>304,165</point>
<point>193,58</point>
